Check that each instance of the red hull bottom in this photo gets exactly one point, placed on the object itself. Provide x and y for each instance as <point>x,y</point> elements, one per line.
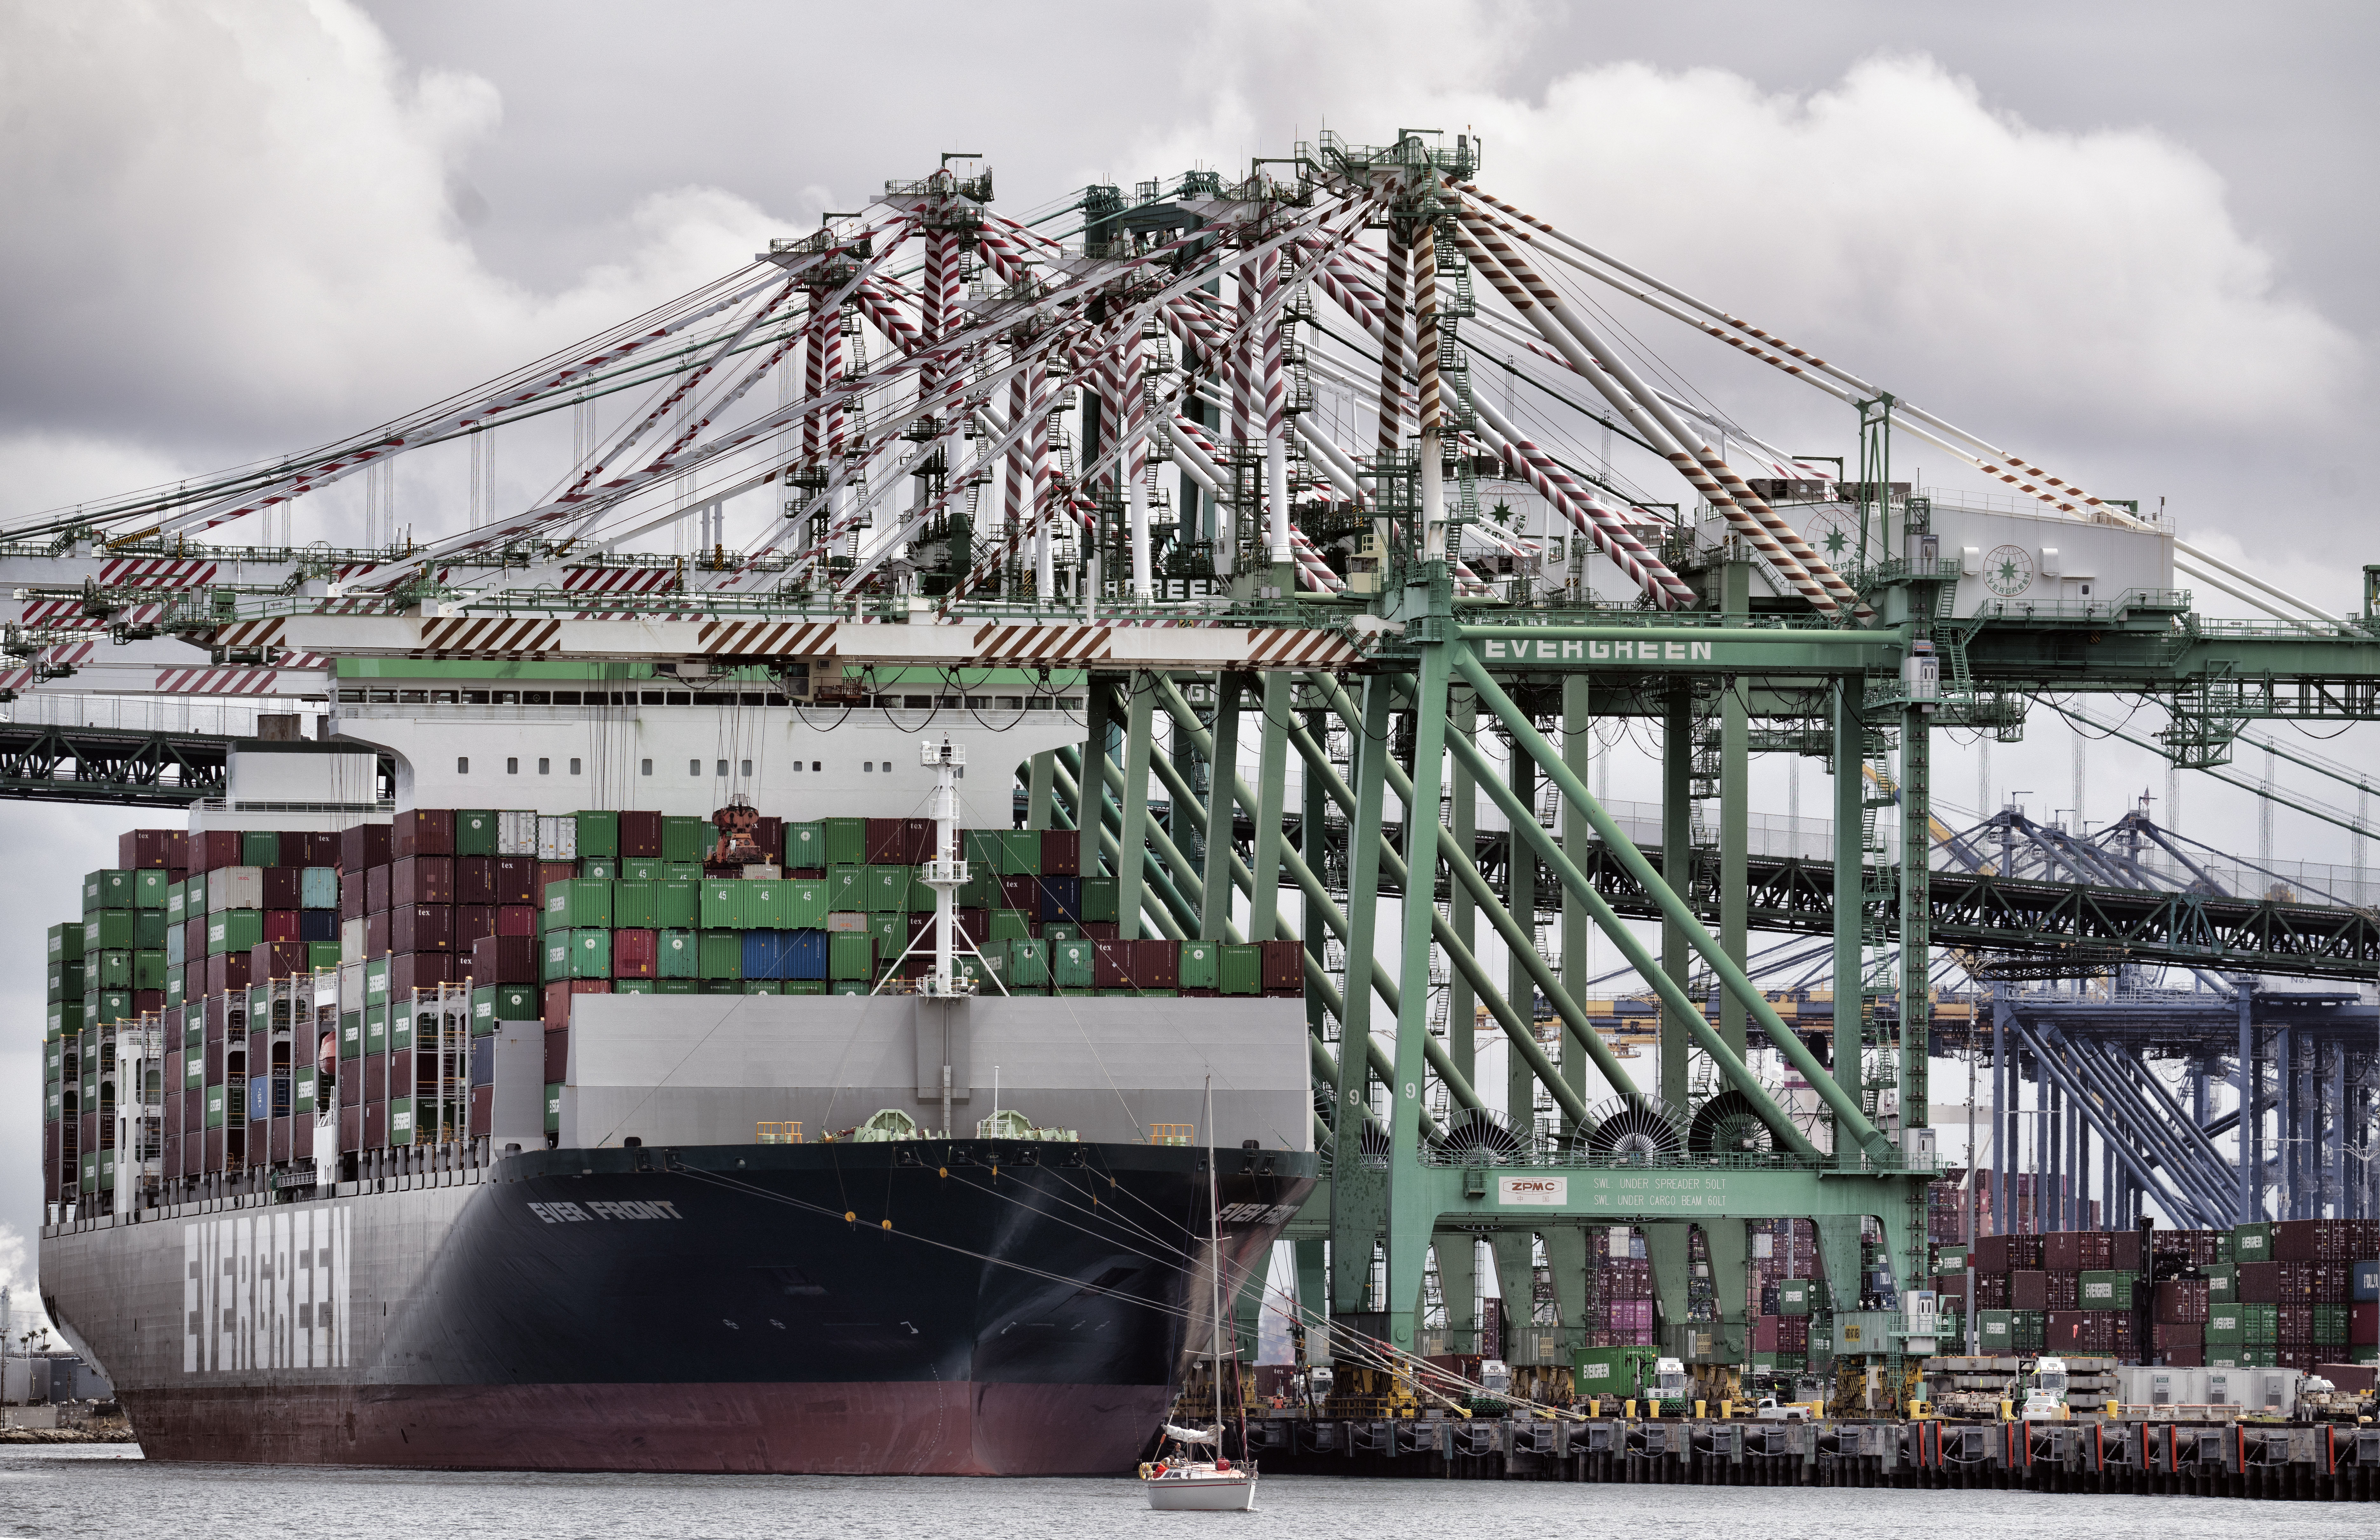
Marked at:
<point>852,1429</point>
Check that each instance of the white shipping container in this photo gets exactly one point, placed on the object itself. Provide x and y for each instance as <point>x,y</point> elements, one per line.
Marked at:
<point>234,888</point>
<point>351,940</point>
<point>764,873</point>
<point>175,942</point>
<point>351,983</point>
<point>557,838</point>
<point>517,833</point>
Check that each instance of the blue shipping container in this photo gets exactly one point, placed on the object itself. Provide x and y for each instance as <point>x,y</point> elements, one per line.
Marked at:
<point>764,953</point>
<point>1062,899</point>
<point>318,887</point>
<point>318,925</point>
<point>483,1060</point>
<point>805,954</point>
<point>260,1099</point>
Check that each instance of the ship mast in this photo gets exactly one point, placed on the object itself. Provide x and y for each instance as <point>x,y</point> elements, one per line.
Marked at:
<point>1215,1269</point>
<point>947,872</point>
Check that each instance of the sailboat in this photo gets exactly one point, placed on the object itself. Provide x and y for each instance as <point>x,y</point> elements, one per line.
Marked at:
<point>1184,1483</point>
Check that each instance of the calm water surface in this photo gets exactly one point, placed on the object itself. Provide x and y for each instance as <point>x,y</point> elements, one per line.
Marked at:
<point>113,1492</point>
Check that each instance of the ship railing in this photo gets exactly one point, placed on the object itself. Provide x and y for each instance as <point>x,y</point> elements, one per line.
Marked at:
<point>764,1132</point>
<point>1171,1133</point>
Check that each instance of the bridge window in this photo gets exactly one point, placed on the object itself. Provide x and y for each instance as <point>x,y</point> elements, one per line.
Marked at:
<point>574,767</point>
<point>747,768</point>
<point>512,767</point>
<point>648,767</point>
<point>723,768</point>
<point>694,767</point>
<point>545,767</point>
<point>463,766</point>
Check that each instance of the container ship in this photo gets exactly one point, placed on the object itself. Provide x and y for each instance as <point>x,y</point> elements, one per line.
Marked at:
<point>408,1116</point>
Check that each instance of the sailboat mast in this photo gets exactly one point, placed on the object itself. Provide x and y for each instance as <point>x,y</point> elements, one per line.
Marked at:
<point>1215,1232</point>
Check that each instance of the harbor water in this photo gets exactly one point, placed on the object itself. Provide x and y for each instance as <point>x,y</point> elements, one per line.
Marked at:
<point>111,1490</point>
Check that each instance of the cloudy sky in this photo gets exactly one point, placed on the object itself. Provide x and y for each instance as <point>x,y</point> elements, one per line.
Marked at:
<point>2130,241</point>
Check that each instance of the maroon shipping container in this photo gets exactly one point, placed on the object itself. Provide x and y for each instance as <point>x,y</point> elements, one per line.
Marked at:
<point>2181,1302</point>
<point>423,831</point>
<point>516,919</point>
<point>269,960</point>
<point>1764,1334</point>
<point>475,879</point>
<point>2257,1283</point>
<point>375,1124</point>
<point>636,953</point>
<point>194,937</point>
<point>640,836</point>
<point>2170,1335</point>
<point>421,928</point>
<point>1284,967</point>
<point>2293,1324</point>
<point>213,1156</point>
<point>506,960</point>
<point>557,1055</point>
<point>351,896</point>
<point>152,847</point>
<point>351,1084</point>
<point>918,841</point>
<point>421,880</point>
<point>471,922</point>
<point>1991,1254</point>
<point>2363,1323</point>
<point>376,890</point>
<point>228,971</point>
<point>282,925</point>
<point>351,1128</point>
<point>1111,965</point>
<point>1100,931</point>
<point>515,880</point>
<point>2065,1290</point>
<point>282,887</point>
<point>276,1144</point>
<point>557,998</point>
<point>884,842</point>
<point>771,837</point>
<point>1062,851</point>
<point>366,845</point>
<point>552,871</point>
<point>1021,892</point>
<point>400,1071</point>
<point>376,929</point>
<point>317,848</point>
<point>976,924</point>
<point>2029,1291</point>
<point>301,1138</point>
<point>1155,965</point>
<point>408,971</point>
<point>2061,1251</point>
<point>2125,1253</point>
<point>483,1111</point>
<point>375,1076</point>
<point>216,847</point>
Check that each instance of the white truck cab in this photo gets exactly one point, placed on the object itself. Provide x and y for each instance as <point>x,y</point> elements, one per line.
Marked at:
<point>2046,1402</point>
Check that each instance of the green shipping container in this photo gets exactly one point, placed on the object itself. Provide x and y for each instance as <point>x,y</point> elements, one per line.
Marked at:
<point>642,872</point>
<point>685,838</point>
<point>633,907</point>
<point>846,842</point>
<point>491,1003</point>
<point>1795,1296</point>
<point>475,831</point>
<point>851,987</point>
<point>148,930</point>
<point>1243,968</point>
<point>980,891</point>
<point>2108,1291</point>
<point>2251,1243</point>
<point>301,1089</point>
<point>847,889</point>
<point>678,905</point>
<point>111,930</point>
<point>681,955</point>
<point>351,1035</point>
<point>888,889</point>
<point>980,848</point>
<point>376,1026</point>
<point>65,943</point>
<point>177,986</point>
<point>1011,924</point>
<point>803,986</point>
<point>591,953</point>
<point>108,888</point>
<point>231,930</point>
<point>148,889</point>
<point>114,972</point>
<point>764,985</point>
<point>1070,964</point>
<point>850,955</point>
<point>805,846</point>
<point>1029,966</point>
<point>891,933</point>
<point>2222,1283</point>
<point>726,904</point>
<point>769,902</point>
<point>677,986</point>
<point>375,981</point>
<point>325,954</point>
<point>802,904</point>
<point>598,836</point>
<point>921,897</point>
<point>578,904</point>
<point>1098,899</point>
<point>149,969</point>
<point>553,1109</point>
<point>260,847</point>
<point>722,955</point>
<point>632,985</point>
<point>606,869</point>
<point>1020,852</point>
<point>1202,965</point>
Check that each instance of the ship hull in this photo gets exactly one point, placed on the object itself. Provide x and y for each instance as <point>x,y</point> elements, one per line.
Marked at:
<point>918,1308</point>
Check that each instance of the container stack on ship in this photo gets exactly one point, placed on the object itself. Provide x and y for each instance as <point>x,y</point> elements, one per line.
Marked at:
<point>630,1139</point>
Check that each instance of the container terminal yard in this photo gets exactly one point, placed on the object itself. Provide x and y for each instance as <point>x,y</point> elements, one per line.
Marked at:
<point>528,925</point>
